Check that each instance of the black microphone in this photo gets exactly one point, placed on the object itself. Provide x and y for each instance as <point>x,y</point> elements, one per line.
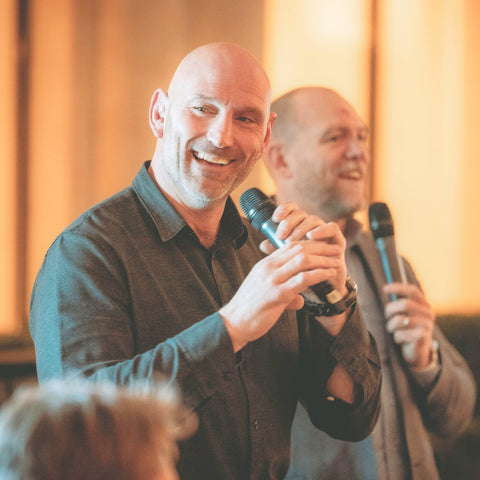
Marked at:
<point>258,208</point>
<point>381,225</point>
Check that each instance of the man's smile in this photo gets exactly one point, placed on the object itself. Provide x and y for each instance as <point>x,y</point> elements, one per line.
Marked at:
<point>352,174</point>
<point>211,158</point>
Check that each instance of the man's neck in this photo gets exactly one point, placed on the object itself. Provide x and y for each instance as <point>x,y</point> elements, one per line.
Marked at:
<point>204,222</point>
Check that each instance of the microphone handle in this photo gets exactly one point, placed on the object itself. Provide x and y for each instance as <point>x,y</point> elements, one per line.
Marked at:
<point>388,254</point>
<point>269,228</point>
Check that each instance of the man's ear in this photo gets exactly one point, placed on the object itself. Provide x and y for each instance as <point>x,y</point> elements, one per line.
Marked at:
<point>157,113</point>
<point>275,160</point>
<point>268,133</point>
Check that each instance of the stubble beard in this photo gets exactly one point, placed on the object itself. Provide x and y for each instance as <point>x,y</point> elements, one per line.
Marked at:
<point>332,204</point>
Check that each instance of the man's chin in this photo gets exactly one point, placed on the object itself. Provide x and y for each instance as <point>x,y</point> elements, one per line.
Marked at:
<point>345,210</point>
<point>203,200</point>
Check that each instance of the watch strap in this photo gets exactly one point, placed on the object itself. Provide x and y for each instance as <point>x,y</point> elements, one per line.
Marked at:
<point>335,304</point>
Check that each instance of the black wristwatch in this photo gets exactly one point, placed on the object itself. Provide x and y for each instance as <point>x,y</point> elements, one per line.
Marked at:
<point>335,304</point>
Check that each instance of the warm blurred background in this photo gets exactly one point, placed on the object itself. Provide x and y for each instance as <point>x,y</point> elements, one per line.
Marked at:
<point>76,77</point>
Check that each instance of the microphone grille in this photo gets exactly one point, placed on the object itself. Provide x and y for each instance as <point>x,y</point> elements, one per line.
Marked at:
<point>256,206</point>
<point>381,222</point>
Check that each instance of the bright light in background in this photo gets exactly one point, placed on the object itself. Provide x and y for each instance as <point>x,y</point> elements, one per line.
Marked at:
<point>340,22</point>
<point>318,42</point>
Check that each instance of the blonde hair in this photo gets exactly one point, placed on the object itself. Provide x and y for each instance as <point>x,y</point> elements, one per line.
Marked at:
<point>87,431</point>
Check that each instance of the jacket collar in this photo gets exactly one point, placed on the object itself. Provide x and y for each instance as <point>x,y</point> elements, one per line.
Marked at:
<point>360,239</point>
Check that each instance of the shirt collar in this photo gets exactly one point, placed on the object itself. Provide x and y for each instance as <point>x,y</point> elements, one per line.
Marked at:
<point>169,222</point>
<point>353,230</point>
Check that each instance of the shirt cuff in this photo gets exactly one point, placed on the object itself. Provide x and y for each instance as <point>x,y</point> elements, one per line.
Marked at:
<point>426,376</point>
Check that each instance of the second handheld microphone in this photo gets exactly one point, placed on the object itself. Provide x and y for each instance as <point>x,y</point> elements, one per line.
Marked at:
<point>381,225</point>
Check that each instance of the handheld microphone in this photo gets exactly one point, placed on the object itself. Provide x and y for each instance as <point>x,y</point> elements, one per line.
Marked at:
<point>381,225</point>
<point>258,208</point>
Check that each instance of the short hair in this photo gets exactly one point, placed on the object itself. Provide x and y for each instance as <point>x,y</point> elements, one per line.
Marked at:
<point>90,431</point>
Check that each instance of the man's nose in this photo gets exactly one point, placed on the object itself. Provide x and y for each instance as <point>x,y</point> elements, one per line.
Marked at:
<point>358,149</point>
<point>220,131</point>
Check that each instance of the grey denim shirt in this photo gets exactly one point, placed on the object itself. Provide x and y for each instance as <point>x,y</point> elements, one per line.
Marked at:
<point>127,291</point>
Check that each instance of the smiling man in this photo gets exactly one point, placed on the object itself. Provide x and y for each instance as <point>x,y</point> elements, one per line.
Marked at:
<point>319,159</point>
<point>212,128</point>
<point>166,279</point>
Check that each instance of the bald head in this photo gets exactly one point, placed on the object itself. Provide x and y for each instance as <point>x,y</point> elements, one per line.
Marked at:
<point>220,60</point>
<point>318,153</point>
<point>297,108</point>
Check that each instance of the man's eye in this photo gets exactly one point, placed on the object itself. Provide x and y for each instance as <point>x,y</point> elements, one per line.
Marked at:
<point>200,108</point>
<point>246,119</point>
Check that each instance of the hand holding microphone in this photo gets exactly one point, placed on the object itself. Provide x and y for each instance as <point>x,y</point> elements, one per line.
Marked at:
<point>275,283</point>
<point>410,318</point>
<point>261,212</point>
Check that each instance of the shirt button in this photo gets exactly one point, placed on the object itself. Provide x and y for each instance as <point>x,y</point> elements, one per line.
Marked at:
<point>256,424</point>
<point>330,398</point>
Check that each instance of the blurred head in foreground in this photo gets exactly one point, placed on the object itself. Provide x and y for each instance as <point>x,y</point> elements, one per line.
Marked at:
<point>86,431</point>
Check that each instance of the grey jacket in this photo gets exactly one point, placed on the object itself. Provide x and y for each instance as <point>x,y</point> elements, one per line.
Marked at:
<point>446,410</point>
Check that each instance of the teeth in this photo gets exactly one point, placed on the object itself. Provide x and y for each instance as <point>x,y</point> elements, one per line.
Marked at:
<point>352,174</point>
<point>211,159</point>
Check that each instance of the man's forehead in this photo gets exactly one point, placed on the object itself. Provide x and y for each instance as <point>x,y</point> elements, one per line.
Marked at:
<point>222,90</point>
<point>335,115</point>
<point>220,64</point>
<point>348,116</point>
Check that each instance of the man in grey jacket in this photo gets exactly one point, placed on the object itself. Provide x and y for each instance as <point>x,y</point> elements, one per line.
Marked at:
<point>318,157</point>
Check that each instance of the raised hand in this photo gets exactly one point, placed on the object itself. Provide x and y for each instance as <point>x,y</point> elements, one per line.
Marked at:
<point>313,252</point>
<point>411,320</point>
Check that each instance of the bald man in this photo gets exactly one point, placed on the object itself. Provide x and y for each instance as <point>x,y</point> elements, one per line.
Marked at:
<point>318,157</point>
<point>166,279</point>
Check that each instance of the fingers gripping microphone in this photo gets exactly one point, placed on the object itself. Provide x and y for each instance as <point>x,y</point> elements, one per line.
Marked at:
<point>258,208</point>
<point>381,225</point>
